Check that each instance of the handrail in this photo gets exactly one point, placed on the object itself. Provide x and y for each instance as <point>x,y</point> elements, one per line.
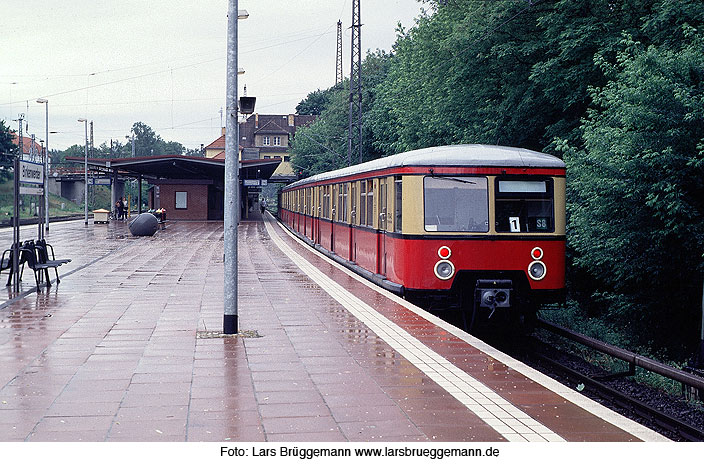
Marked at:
<point>628,356</point>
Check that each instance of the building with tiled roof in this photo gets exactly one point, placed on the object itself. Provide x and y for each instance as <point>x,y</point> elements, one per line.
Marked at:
<point>31,150</point>
<point>264,137</point>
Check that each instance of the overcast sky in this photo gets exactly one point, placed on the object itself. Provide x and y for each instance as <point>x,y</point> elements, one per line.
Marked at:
<point>162,62</point>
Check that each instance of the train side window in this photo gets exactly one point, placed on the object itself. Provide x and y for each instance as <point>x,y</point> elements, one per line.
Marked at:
<point>458,204</point>
<point>326,202</point>
<point>319,201</point>
<point>363,203</point>
<point>333,202</point>
<point>524,205</point>
<point>398,203</point>
<point>382,204</point>
<point>342,202</point>
<point>370,203</point>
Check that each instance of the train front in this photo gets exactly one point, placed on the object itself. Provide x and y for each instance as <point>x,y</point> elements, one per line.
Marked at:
<point>491,240</point>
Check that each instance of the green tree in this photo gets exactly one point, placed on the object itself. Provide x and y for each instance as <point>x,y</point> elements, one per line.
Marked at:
<point>636,192</point>
<point>7,149</point>
<point>147,142</point>
<point>462,75</point>
<point>315,103</point>
<point>322,146</point>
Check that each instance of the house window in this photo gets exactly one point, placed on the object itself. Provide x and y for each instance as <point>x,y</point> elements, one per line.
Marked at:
<point>266,141</point>
<point>277,141</point>
<point>181,200</point>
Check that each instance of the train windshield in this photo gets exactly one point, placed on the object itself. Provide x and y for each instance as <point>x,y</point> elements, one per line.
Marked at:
<point>524,205</point>
<point>459,204</point>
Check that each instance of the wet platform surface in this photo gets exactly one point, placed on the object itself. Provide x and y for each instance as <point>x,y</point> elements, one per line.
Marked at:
<point>126,348</point>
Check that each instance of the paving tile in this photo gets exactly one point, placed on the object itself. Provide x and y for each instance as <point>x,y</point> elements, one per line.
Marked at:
<point>117,352</point>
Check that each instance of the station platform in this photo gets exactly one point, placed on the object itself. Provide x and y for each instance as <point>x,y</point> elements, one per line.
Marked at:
<point>128,347</point>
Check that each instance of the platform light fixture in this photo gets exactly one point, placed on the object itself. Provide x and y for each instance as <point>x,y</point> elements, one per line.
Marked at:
<point>46,164</point>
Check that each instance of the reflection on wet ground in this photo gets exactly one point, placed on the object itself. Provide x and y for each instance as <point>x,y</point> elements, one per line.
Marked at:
<point>127,348</point>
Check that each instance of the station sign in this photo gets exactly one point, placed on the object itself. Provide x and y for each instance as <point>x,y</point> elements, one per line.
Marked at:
<point>99,181</point>
<point>31,173</point>
<point>31,191</point>
<point>254,182</point>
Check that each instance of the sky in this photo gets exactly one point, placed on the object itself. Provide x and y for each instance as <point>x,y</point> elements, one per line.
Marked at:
<point>163,62</point>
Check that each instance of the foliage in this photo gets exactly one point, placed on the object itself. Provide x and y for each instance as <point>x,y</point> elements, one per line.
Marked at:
<point>636,199</point>
<point>7,148</point>
<point>148,143</point>
<point>322,146</point>
<point>615,88</point>
<point>314,104</point>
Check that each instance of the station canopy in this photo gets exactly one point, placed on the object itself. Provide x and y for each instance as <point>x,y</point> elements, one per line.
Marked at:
<point>177,167</point>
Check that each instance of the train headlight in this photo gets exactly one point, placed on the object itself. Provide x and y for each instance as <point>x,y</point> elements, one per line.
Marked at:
<point>537,270</point>
<point>444,269</point>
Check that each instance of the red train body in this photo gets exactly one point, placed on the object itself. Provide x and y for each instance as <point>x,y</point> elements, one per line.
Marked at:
<point>481,227</point>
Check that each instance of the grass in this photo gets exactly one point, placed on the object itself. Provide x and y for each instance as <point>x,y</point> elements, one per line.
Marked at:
<point>99,197</point>
<point>571,317</point>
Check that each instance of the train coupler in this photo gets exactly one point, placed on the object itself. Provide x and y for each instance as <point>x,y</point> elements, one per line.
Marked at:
<point>493,294</point>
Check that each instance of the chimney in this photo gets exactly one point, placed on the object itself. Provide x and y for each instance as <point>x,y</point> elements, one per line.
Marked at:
<point>222,133</point>
<point>291,120</point>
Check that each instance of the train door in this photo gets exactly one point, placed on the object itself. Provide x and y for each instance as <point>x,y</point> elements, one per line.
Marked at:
<point>353,222</point>
<point>333,216</point>
<point>316,215</point>
<point>383,204</point>
<point>307,227</point>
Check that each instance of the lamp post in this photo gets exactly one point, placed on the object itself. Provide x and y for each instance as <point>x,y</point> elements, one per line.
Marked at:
<point>46,164</point>
<point>232,183</point>
<point>85,175</point>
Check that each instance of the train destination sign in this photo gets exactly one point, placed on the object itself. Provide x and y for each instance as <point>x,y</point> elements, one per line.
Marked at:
<point>31,173</point>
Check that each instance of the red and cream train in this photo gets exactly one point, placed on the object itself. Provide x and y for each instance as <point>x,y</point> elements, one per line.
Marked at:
<point>478,226</point>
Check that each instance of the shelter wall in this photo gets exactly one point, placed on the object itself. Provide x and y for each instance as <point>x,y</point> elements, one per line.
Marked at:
<point>196,201</point>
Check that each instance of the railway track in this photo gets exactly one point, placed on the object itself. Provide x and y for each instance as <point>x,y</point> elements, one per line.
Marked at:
<point>670,416</point>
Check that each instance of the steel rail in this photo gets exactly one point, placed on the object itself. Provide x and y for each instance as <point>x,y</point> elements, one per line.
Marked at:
<point>632,358</point>
<point>652,415</point>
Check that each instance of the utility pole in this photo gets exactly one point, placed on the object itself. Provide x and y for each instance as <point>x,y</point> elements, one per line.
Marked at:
<point>16,214</point>
<point>338,58</point>
<point>354,137</point>
<point>232,177</point>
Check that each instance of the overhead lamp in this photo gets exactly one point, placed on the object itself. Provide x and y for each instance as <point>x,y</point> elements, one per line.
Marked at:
<point>247,104</point>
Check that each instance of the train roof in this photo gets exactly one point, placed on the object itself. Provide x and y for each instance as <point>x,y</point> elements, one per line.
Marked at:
<point>449,156</point>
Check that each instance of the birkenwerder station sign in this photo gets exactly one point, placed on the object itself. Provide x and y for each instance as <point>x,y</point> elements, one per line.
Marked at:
<point>31,173</point>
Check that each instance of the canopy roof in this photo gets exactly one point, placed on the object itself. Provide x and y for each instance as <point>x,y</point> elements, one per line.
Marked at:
<point>181,167</point>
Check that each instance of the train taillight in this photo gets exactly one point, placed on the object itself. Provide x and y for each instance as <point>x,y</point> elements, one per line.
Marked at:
<point>536,253</point>
<point>444,252</point>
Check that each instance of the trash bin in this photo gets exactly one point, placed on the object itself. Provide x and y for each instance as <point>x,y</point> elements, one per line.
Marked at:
<point>100,216</point>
